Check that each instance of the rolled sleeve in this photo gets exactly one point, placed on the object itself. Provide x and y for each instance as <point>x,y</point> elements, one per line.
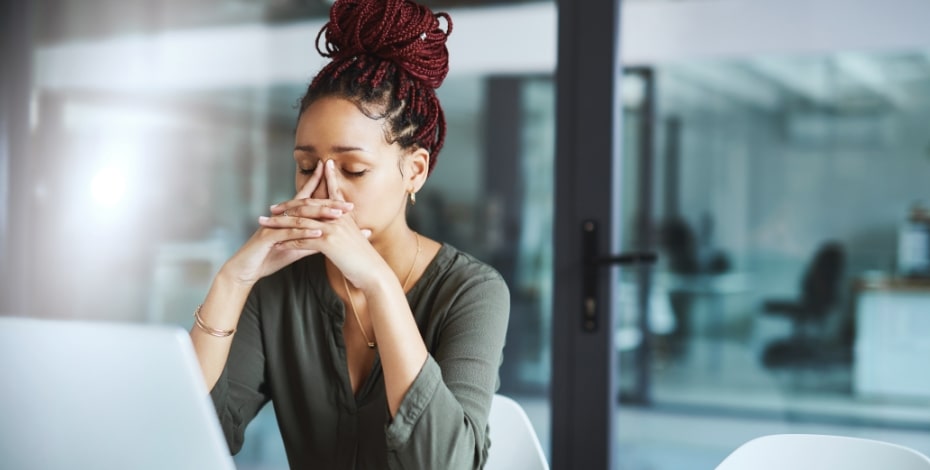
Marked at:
<point>398,431</point>
<point>442,420</point>
<point>241,390</point>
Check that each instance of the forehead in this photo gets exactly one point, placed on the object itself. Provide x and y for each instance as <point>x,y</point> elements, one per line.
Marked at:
<point>338,121</point>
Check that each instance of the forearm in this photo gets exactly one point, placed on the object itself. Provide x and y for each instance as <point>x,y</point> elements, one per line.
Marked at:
<point>432,429</point>
<point>221,310</point>
<point>442,421</point>
<point>399,342</point>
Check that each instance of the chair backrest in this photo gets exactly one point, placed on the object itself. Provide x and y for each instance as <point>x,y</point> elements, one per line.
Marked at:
<point>821,282</point>
<point>819,452</point>
<point>514,444</point>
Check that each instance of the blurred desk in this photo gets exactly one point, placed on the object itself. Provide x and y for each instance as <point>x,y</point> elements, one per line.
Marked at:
<point>708,284</point>
<point>712,289</point>
<point>702,311</point>
<point>892,343</point>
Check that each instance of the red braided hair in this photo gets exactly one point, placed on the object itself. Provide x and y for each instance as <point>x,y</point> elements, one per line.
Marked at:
<point>388,57</point>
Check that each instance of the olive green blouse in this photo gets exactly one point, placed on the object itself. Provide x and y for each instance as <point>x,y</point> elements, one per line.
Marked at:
<point>289,349</point>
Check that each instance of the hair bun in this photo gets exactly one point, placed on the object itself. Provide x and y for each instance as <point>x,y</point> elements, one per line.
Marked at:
<point>401,31</point>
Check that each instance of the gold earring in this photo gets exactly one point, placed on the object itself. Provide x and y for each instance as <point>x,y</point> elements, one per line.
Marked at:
<point>413,198</point>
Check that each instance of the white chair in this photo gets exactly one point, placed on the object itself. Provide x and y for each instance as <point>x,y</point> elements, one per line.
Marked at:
<point>514,444</point>
<point>822,452</point>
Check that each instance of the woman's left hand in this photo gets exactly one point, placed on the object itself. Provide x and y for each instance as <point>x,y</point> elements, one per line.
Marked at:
<point>343,242</point>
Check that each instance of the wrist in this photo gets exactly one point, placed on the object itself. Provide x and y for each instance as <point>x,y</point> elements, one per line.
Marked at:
<point>223,304</point>
<point>228,278</point>
<point>215,332</point>
<point>377,281</point>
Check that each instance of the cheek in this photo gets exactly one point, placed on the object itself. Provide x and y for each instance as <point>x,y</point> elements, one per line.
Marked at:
<point>373,199</point>
<point>299,181</point>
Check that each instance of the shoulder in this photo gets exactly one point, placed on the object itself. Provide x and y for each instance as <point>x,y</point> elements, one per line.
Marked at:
<point>459,275</point>
<point>465,298</point>
<point>460,267</point>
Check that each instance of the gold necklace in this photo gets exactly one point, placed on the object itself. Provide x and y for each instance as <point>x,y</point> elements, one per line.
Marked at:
<point>371,344</point>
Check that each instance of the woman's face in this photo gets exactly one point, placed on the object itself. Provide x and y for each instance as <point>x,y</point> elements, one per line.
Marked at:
<point>370,173</point>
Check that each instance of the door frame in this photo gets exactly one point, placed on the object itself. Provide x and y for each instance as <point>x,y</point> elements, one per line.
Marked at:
<point>587,165</point>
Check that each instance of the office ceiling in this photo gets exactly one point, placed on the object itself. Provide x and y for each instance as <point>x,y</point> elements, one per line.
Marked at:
<point>845,83</point>
<point>850,82</point>
<point>65,20</point>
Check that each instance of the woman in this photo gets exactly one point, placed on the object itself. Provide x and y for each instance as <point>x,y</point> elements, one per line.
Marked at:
<point>379,347</point>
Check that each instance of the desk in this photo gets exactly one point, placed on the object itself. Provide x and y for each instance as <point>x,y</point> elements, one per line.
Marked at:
<point>712,288</point>
<point>892,345</point>
<point>705,308</point>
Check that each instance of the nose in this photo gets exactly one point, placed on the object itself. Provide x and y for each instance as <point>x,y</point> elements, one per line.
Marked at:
<point>321,191</point>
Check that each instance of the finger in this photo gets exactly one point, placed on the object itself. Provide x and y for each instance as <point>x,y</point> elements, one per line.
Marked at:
<point>308,239</point>
<point>296,218</point>
<point>309,244</point>
<point>296,252</point>
<point>295,207</point>
<point>284,235</point>
<point>331,185</point>
<point>311,184</point>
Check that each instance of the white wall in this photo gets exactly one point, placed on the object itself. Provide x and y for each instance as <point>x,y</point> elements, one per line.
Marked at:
<point>519,38</point>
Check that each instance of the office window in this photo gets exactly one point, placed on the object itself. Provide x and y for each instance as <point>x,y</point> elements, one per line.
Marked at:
<point>790,204</point>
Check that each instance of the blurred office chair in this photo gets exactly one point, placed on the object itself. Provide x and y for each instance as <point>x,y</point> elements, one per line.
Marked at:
<point>514,444</point>
<point>819,452</point>
<point>819,297</point>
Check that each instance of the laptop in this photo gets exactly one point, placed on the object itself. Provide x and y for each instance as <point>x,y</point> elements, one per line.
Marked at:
<point>94,395</point>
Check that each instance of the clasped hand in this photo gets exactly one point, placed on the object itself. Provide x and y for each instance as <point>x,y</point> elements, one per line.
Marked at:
<point>305,226</point>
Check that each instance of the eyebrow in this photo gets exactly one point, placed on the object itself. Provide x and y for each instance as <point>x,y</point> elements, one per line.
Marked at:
<point>335,149</point>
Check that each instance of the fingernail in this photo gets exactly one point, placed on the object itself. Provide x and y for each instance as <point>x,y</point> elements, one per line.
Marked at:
<point>263,219</point>
<point>330,165</point>
<point>349,206</point>
<point>334,211</point>
<point>366,232</point>
<point>315,233</point>
<point>273,206</point>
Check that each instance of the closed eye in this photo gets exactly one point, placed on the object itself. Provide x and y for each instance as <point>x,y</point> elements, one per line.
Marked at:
<point>354,174</point>
<point>305,171</point>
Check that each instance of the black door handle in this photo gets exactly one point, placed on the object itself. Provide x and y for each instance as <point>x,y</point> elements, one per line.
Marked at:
<point>590,316</point>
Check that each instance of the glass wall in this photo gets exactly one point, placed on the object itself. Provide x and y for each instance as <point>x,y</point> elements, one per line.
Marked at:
<point>788,204</point>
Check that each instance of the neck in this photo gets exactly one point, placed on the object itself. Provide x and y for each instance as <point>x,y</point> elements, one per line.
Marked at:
<point>395,239</point>
<point>397,246</point>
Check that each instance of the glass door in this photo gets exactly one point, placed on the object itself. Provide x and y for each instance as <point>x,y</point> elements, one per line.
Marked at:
<point>588,235</point>
<point>784,195</point>
<point>780,274</point>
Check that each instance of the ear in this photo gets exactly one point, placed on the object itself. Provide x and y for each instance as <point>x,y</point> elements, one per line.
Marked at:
<point>417,169</point>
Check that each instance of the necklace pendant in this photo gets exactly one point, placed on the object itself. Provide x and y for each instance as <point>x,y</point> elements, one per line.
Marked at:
<point>371,345</point>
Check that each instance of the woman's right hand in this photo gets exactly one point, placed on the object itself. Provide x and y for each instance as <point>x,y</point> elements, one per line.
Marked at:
<point>264,252</point>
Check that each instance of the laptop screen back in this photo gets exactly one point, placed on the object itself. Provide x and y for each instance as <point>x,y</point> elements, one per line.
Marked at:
<point>105,396</point>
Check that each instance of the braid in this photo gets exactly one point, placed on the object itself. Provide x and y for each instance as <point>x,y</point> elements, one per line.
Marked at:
<point>387,56</point>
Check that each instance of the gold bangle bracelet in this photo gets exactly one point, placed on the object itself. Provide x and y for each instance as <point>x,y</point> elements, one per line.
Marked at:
<point>206,329</point>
